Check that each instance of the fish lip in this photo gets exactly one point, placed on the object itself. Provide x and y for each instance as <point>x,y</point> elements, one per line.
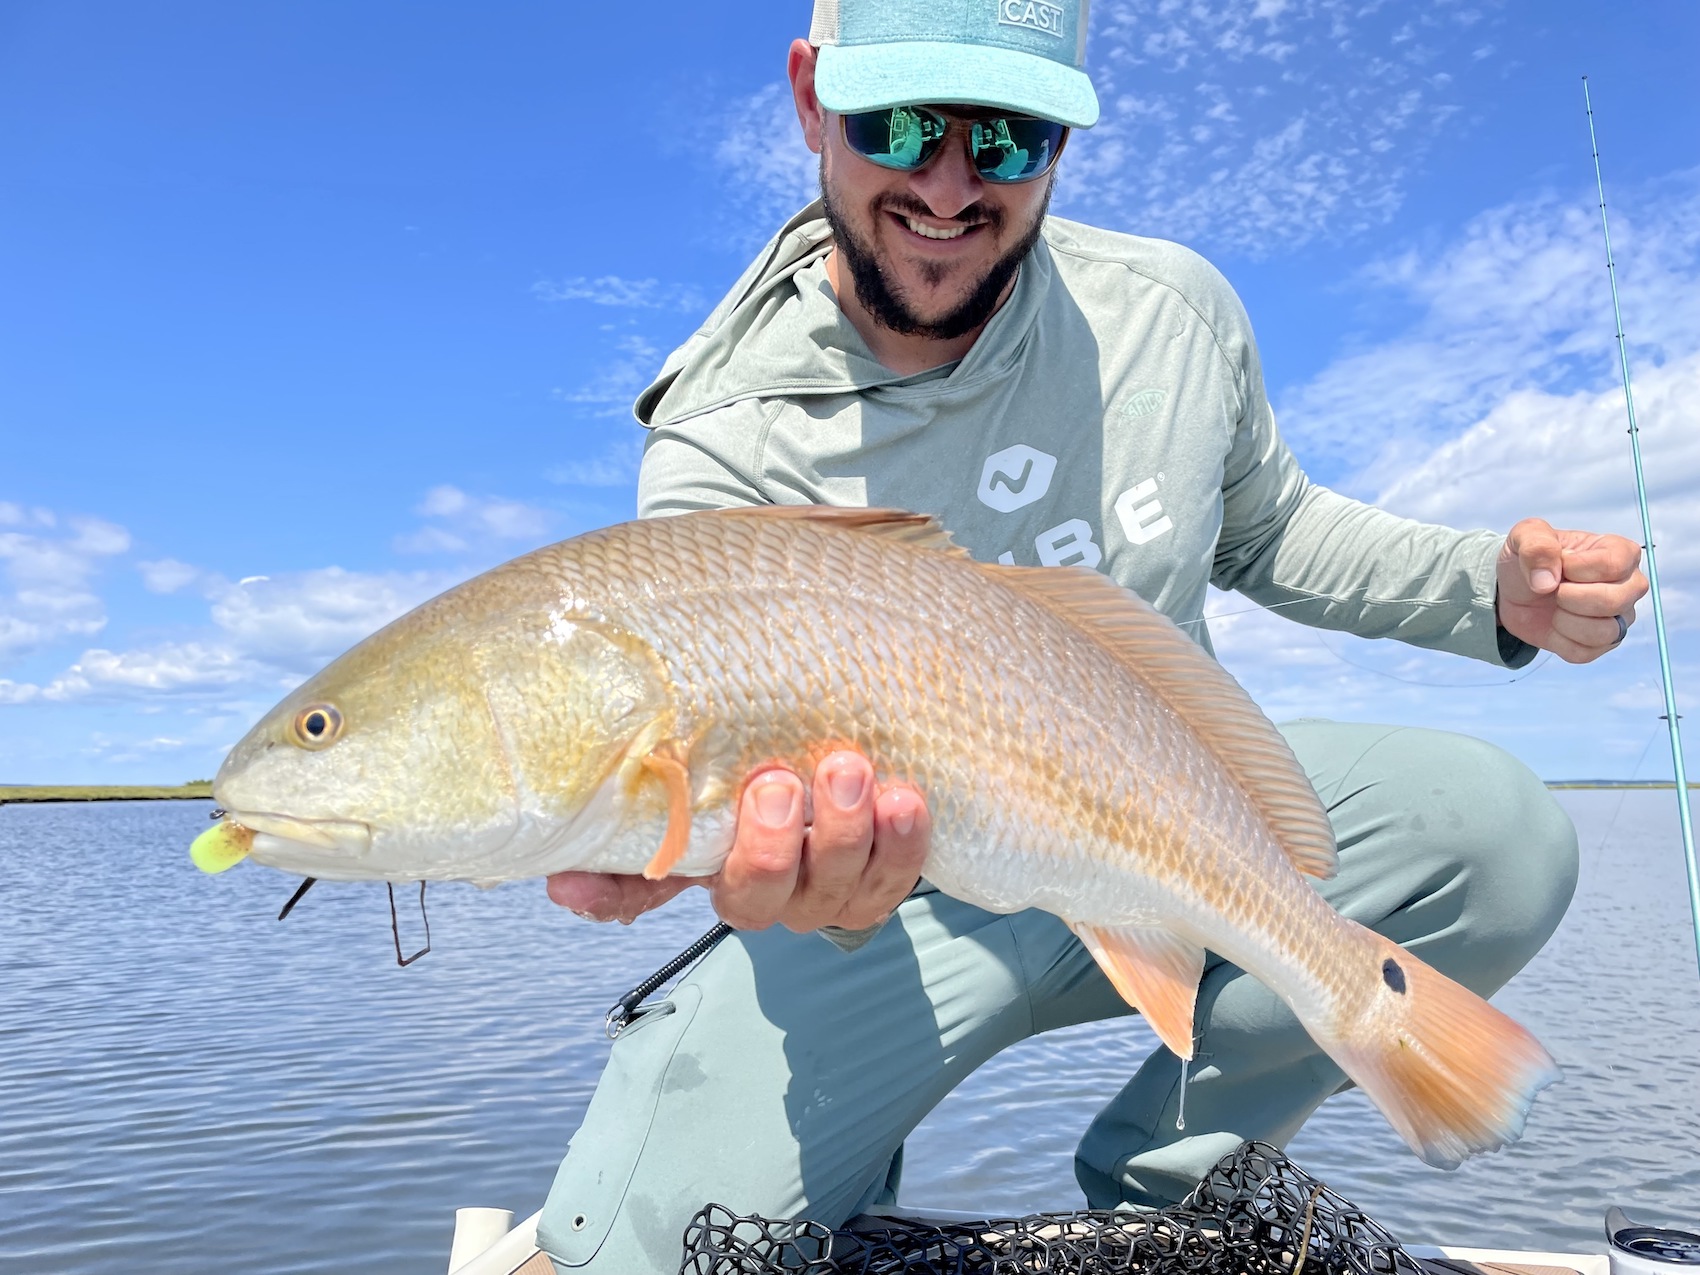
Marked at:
<point>325,834</point>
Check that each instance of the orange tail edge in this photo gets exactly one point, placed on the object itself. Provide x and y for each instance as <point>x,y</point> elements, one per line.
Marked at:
<point>1454,1076</point>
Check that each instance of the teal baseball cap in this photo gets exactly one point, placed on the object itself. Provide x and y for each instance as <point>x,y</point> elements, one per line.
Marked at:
<point>1017,55</point>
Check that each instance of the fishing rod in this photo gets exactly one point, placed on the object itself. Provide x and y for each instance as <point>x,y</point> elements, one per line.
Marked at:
<point>1671,717</point>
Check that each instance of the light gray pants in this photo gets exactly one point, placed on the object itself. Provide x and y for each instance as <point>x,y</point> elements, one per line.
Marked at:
<point>782,1075</point>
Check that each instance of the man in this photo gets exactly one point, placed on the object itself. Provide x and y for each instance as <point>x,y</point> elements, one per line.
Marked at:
<point>926,338</point>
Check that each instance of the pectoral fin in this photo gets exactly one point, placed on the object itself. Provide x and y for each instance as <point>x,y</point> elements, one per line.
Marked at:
<point>666,761</point>
<point>1155,971</point>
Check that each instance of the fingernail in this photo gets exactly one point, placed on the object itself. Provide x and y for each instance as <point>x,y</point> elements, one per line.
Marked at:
<point>776,799</point>
<point>900,809</point>
<point>847,784</point>
<point>1543,580</point>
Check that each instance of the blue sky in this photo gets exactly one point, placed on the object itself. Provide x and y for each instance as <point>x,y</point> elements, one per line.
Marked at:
<point>310,310</point>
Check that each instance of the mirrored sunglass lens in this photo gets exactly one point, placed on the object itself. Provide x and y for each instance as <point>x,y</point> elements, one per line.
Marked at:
<point>1013,149</point>
<point>897,138</point>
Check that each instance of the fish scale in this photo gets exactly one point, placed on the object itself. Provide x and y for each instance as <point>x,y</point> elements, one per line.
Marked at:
<point>598,705</point>
<point>1108,807</point>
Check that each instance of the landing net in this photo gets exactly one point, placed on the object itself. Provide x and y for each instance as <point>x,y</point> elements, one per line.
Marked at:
<point>1256,1214</point>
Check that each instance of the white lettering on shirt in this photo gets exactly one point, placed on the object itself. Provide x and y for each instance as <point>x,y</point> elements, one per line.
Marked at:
<point>1068,544</point>
<point>1142,523</point>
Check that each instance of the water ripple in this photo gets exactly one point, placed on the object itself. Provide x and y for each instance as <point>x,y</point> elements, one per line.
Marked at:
<point>188,1085</point>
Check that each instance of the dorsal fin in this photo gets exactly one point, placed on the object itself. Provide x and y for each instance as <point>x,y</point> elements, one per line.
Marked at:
<point>1200,690</point>
<point>921,530</point>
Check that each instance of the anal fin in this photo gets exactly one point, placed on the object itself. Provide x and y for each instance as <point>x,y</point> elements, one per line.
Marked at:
<point>1155,971</point>
<point>666,761</point>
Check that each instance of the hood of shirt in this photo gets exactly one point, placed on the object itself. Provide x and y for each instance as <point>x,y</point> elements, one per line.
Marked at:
<point>780,333</point>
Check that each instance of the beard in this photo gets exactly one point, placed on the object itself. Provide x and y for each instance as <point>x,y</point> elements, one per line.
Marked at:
<point>884,299</point>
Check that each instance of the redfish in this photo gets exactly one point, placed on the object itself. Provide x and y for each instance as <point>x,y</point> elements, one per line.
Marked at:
<point>598,704</point>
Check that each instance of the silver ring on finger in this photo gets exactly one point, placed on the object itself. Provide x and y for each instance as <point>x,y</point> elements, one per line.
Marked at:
<point>1622,629</point>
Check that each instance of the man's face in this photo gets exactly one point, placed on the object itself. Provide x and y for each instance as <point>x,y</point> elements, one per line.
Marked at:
<point>931,252</point>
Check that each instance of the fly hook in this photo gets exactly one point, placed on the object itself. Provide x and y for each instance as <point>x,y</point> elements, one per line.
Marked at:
<point>306,885</point>
<point>395,927</point>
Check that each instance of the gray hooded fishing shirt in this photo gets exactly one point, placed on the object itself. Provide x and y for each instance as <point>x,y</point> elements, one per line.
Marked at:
<point>1112,414</point>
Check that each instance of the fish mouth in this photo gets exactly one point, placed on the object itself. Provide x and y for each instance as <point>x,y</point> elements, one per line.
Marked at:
<point>349,836</point>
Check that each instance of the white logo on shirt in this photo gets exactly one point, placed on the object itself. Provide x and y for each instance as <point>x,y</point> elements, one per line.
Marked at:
<point>1015,477</point>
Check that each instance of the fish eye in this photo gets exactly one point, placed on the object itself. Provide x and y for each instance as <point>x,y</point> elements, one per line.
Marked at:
<point>317,726</point>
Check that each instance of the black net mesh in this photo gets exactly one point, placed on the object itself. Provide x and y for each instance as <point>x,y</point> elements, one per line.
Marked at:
<point>1256,1214</point>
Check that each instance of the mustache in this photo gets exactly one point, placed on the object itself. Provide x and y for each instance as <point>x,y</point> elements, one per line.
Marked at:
<point>907,205</point>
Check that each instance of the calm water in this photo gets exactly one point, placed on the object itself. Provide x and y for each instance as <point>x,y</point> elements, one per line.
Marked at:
<point>187,1085</point>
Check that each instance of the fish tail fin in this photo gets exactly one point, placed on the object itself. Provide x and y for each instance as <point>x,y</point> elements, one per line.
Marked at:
<point>1452,1074</point>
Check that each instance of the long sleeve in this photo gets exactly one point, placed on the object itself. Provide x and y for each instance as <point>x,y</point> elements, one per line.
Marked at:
<point>1336,563</point>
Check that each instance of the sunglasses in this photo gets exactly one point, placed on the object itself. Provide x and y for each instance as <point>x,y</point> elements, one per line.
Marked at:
<point>1002,148</point>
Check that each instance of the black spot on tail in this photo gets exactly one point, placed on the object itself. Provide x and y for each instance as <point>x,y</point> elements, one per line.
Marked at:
<point>1393,976</point>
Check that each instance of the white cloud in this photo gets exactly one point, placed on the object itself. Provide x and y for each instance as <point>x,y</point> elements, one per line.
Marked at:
<point>513,520</point>
<point>1501,400</point>
<point>260,634</point>
<point>267,632</point>
<point>616,466</point>
<point>110,751</point>
<point>444,501</point>
<point>292,623</point>
<point>1566,458</point>
<point>1256,128</point>
<point>429,540</point>
<point>47,571</point>
<point>167,575</point>
<point>768,173</point>
<point>1248,127</point>
<point>171,667</point>
<point>15,515</point>
<point>97,538</point>
<point>1519,302</point>
<point>631,294</point>
<point>619,381</point>
<point>461,522</point>
<point>107,674</point>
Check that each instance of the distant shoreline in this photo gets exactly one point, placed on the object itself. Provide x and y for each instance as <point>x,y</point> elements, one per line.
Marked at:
<point>200,788</point>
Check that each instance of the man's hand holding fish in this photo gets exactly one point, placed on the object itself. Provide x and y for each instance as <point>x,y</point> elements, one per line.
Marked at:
<point>842,854</point>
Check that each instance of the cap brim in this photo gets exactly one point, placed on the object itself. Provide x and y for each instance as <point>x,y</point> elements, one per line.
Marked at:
<point>871,77</point>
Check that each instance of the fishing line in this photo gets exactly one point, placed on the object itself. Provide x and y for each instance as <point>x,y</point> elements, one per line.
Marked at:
<point>1671,716</point>
<point>1624,794</point>
<point>1362,590</point>
<point>1522,675</point>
